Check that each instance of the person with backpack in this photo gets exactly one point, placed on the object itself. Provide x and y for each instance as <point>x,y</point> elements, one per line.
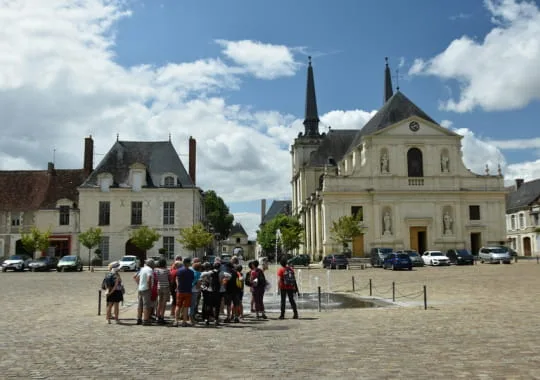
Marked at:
<point>258,285</point>
<point>211,286</point>
<point>287,287</point>
<point>113,284</point>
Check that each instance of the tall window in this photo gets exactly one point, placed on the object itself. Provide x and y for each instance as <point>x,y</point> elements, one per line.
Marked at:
<point>64,215</point>
<point>521,220</point>
<point>513,222</point>
<point>237,240</point>
<point>168,245</point>
<point>168,212</point>
<point>358,212</point>
<point>136,213</point>
<point>415,164</point>
<point>169,181</point>
<point>104,213</point>
<point>16,221</point>
<point>104,247</point>
<point>474,212</point>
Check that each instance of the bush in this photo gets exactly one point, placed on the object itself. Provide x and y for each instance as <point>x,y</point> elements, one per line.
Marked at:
<point>97,262</point>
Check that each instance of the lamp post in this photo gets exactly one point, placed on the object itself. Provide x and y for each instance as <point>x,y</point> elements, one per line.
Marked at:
<point>278,237</point>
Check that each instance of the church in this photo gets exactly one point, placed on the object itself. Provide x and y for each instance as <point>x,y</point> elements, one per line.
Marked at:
<point>402,174</point>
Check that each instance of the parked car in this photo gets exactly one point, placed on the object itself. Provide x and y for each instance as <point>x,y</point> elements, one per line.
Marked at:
<point>512,252</point>
<point>43,263</point>
<point>415,257</point>
<point>460,257</point>
<point>225,258</point>
<point>210,259</point>
<point>302,259</point>
<point>70,262</point>
<point>129,262</point>
<point>495,254</point>
<point>335,261</point>
<point>378,254</point>
<point>397,261</point>
<point>16,262</point>
<point>435,258</point>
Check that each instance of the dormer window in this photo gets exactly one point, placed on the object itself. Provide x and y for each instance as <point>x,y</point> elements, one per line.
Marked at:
<point>137,176</point>
<point>105,181</point>
<point>169,181</point>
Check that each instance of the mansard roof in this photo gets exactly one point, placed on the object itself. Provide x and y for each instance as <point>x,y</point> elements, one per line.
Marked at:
<point>334,145</point>
<point>159,157</point>
<point>237,228</point>
<point>277,207</point>
<point>523,197</point>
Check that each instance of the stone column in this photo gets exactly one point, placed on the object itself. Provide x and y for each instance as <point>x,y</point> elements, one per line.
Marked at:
<point>308,231</point>
<point>314,230</point>
<point>318,223</point>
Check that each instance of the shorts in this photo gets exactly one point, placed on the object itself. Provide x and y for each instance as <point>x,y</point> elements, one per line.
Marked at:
<point>164,294</point>
<point>183,300</point>
<point>145,300</point>
<point>233,298</point>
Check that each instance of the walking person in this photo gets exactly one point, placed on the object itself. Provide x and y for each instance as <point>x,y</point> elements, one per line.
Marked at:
<point>115,293</point>
<point>287,287</point>
<point>184,284</point>
<point>258,284</point>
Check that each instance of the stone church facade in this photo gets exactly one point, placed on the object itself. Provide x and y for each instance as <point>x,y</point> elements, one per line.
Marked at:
<point>402,172</point>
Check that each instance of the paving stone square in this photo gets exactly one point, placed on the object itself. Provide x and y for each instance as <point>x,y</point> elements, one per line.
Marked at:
<point>482,322</point>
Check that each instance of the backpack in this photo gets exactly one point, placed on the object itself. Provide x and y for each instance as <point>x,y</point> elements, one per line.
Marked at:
<point>108,281</point>
<point>288,277</point>
<point>214,281</point>
<point>247,279</point>
<point>239,281</point>
<point>261,279</point>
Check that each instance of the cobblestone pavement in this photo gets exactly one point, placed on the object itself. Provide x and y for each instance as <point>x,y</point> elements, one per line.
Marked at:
<point>482,322</point>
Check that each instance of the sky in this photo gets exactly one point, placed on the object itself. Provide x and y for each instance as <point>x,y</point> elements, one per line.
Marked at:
<point>232,74</point>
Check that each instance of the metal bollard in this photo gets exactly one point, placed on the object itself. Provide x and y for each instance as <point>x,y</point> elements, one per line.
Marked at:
<point>425,298</point>
<point>393,291</point>
<point>537,259</point>
<point>99,303</point>
<point>319,290</point>
<point>370,288</point>
<point>353,284</point>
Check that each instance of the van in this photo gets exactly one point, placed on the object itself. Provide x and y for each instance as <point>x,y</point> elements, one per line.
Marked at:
<point>378,254</point>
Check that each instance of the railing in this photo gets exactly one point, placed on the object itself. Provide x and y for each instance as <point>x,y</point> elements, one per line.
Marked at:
<point>416,182</point>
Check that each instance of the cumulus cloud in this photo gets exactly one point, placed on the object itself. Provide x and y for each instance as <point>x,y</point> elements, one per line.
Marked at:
<point>533,143</point>
<point>478,153</point>
<point>501,71</point>
<point>353,119</point>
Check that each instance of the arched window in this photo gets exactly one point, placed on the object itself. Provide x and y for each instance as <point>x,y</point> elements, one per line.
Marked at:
<point>521,220</point>
<point>169,181</point>
<point>415,164</point>
<point>513,222</point>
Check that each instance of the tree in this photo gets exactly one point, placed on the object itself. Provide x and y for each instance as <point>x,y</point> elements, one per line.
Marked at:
<point>345,229</point>
<point>195,237</point>
<point>217,214</point>
<point>292,234</point>
<point>144,237</point>
<point>36,240</point>
<point>90,239</point>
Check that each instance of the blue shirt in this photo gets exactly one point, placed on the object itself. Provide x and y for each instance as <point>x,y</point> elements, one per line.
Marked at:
<point>196,279</point>
<point>184,277</point>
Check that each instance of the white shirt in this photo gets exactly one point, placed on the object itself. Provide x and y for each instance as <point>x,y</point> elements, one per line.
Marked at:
<point>145,273</point>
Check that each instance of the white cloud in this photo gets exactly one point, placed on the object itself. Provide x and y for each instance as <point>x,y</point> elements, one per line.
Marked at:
<point>478,153</point>
<point>460,16</point>
<point>264,61</point>
<point>353,119</point>
<point>447,123</point>
<point>250,221</point>
<point>525,170</point>
<point>532,143</point>
<point>498,73</point>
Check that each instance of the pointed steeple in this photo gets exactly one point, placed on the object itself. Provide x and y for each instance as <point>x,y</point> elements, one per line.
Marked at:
<point>311,120</point>
<point>388,91</point>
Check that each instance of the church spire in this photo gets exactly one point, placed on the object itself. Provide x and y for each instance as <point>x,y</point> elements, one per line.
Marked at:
<point>388,91</point>
<point>311,120</point>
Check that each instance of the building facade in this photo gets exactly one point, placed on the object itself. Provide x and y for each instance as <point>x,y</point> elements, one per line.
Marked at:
<point>238,243</point>
<point>402,173</point>
<point>523,218</point>
<point>136,184</point>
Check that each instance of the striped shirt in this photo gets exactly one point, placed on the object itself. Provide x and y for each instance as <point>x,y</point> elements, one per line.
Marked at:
<point>163,278</point>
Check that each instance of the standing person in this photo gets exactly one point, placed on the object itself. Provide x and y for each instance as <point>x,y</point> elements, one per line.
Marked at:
<point>114,293</point>
<point>239,312</point>
<point>144,279</point>
<point>184,283</point>
<point>258,284</point>
<point>164,292</point>
<point>287,287</point>
<point>231,292</point>
<point>195,290</point>
<point>247,282</point>
<point>213,294</point>
<point>172,285</point>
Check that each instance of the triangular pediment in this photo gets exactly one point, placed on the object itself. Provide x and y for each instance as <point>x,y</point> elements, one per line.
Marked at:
<point>415,126</point>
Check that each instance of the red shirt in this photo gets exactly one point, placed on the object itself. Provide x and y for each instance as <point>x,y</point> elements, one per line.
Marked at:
<point>280,274</point>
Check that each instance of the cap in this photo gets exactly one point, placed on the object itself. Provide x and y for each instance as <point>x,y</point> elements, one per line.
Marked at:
<point>150,263</point>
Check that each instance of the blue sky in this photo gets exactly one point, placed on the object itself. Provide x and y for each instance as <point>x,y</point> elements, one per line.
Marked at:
<point>232,74</point>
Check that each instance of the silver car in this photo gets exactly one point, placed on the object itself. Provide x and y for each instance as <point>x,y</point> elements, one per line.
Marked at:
<point>495,255</point>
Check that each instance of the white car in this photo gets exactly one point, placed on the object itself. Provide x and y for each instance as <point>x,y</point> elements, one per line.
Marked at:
<point>435,258</point>
<point>129,262</point>
<point>16,262</point>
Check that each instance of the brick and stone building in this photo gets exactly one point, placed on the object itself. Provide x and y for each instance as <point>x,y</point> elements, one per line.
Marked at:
<point>523,217</point>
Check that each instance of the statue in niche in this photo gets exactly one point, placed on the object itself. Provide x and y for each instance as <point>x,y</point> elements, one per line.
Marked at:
<point>384,163</point>
<point>387,223</point>
<point>447,223</point>
<point>445,163</point>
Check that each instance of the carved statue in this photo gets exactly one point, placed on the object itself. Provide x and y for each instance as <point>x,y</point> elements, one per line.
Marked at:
<point>387,223</point>
<point>445,163</point>
<point>384,163</point>
<point>447,222</point>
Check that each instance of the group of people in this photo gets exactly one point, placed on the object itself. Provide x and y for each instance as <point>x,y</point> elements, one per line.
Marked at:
<point>188,282</point>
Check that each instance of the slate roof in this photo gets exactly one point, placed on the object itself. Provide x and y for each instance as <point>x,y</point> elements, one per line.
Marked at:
<point>25,190</point>
<point>335,145</point>
<point>523,197</point>
<point>237,228</point>
<point>397,108</point>
<point>277,207</point>
<point>159,157</point>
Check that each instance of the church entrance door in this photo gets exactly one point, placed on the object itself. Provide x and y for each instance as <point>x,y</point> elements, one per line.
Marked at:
<point>358,246</point>
<point>418,238</point>
<point>527,246</point>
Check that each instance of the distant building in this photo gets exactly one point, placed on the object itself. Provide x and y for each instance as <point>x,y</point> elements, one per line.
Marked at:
<point>523,217</point>
<point>280,207</point>
<point>238,243</point>
<point>141,183</point>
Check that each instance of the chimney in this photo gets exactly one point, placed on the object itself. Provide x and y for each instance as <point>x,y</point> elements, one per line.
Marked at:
<point>88,164</point>
<point>263,209</point>
<point>192,158</point>
<point>50,168</point>
<point>519,182</point>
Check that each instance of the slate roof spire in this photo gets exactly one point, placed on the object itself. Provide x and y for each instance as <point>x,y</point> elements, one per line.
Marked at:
<point>311,120</point>
<point>388,91</point>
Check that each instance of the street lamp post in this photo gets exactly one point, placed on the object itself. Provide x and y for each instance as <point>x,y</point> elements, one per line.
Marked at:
<point>278,237</point>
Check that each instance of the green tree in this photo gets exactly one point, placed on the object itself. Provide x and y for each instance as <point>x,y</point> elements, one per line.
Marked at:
<point>345,229</point>
<point>144,237</point>
<point>217,214</point>
<point>195,237</point>
<point>292,235</point>
<point>36,240</point>
<point>90,239</point>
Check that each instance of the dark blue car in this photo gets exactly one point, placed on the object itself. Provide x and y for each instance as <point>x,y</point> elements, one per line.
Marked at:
<point>397,261</point>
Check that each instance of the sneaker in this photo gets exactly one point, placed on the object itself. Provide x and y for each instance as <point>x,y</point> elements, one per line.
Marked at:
<point>227,320</point>
<point>139,321</point>
<point>295,316</point>
<point>281,317</point>
<point>207,322</point>
<point>264,316</point>
<point>236,320</point>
